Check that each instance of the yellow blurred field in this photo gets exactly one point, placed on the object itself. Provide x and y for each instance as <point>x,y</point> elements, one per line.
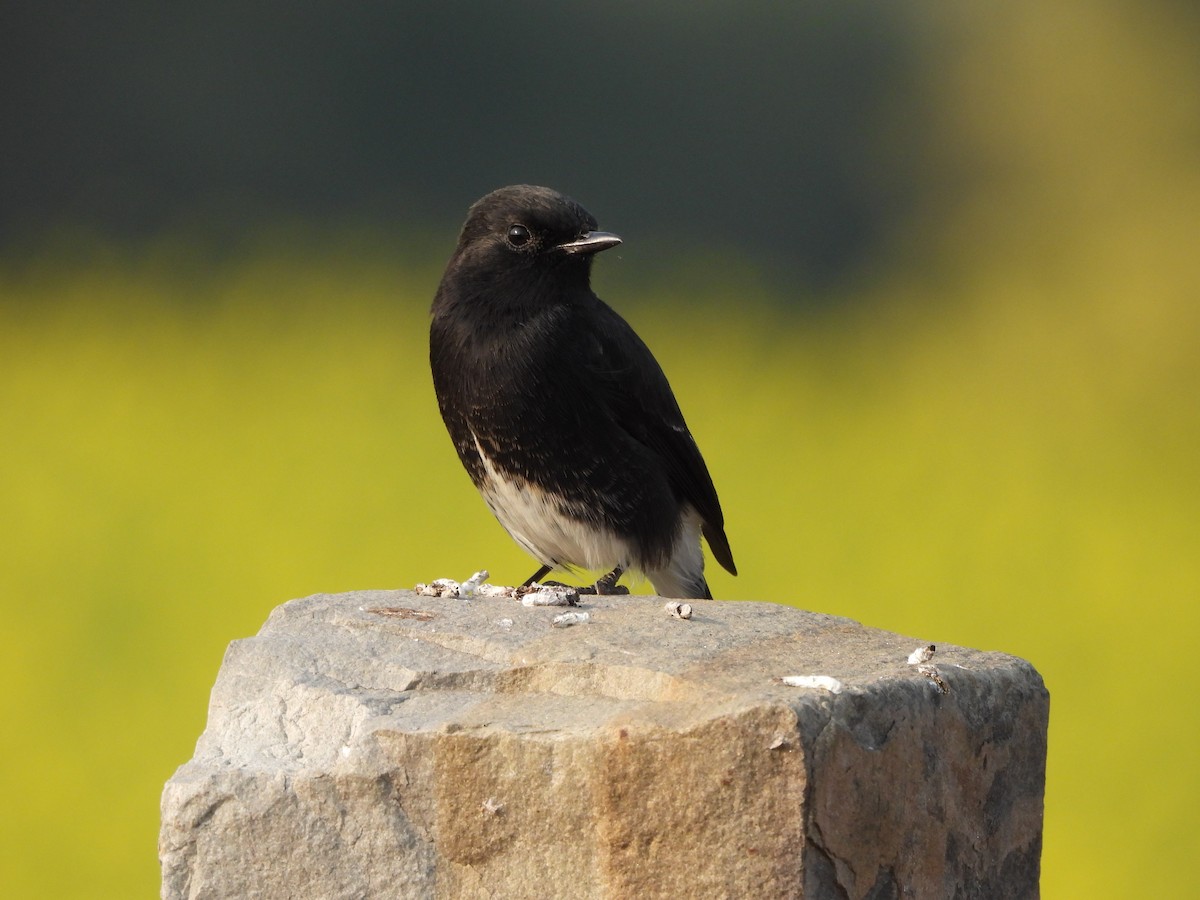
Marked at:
<point>1003,460</point>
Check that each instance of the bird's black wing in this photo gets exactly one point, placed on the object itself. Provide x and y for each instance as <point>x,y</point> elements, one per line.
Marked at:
<point>636,393</point>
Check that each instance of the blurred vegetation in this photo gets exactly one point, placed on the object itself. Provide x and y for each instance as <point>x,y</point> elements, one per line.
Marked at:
<point>987,438</point>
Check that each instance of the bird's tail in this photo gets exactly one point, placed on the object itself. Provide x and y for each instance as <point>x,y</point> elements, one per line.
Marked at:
<point>667,584</point>
<point>683,577</point>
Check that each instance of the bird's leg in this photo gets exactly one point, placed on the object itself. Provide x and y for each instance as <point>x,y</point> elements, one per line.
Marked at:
<point>608,584</point>
<point>537,576</point>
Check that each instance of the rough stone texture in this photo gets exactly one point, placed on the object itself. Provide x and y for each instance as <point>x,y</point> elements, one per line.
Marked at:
<point>451,748</point>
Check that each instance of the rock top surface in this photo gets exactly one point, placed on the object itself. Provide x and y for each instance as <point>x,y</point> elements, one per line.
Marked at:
<point>384,744</point>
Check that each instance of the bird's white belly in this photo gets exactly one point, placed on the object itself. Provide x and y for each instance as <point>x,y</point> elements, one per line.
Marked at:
<point>536,521</point>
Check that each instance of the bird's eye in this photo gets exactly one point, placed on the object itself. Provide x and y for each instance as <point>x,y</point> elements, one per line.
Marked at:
<point>518,235</point>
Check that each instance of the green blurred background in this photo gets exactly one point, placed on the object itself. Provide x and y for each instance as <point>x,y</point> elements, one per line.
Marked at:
<point>926,279</point>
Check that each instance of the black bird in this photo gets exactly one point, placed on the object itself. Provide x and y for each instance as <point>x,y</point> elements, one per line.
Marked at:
<point>560,413</point>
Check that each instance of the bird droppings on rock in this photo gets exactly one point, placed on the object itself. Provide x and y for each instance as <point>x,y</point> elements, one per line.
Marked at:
<point>922,654</point>
<point>472,587</point>
<point>468,587</point>
<point>567,619</point>
<point>823,682</point>
<point>529,595</point>
<point>921,659</point>
<point>549,595</point>
<point>440,587</point>
<point>679,610</point>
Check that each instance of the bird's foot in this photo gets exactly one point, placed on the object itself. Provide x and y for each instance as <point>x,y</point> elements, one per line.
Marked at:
<point>608,584</point>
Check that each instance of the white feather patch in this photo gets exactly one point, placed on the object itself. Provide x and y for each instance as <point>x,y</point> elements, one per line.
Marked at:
<point>536,523</point>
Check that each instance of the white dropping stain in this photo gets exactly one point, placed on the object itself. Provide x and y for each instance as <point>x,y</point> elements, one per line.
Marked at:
<point>822,682</point>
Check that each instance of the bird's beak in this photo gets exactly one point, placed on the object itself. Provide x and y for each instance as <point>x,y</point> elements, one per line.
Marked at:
<point>592,242</point>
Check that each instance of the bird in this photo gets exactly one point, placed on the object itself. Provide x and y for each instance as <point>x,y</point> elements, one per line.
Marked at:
<point>559,412</point>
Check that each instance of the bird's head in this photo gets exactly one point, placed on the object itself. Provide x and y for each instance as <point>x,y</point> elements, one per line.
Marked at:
<point>524,228</point>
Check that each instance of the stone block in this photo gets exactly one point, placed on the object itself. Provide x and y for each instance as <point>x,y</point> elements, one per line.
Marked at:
<point>384,744</point>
